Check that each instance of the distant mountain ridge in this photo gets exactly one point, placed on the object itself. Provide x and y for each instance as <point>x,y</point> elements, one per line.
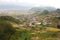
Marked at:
<point>42,8</point>
<point>24,7</point>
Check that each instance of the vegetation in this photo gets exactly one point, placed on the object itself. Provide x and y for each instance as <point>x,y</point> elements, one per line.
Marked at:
<point>21,35</point>
<point>9,18</point>
<point>36,31</point>
<point>6,30</point>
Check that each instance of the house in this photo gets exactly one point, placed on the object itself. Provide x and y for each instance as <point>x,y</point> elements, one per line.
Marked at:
<point>34,22</point>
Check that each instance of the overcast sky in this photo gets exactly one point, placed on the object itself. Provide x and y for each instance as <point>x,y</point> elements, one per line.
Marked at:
<point>36,3</point>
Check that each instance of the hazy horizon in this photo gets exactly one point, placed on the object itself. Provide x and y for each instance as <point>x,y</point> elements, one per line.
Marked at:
<point>26,4</point>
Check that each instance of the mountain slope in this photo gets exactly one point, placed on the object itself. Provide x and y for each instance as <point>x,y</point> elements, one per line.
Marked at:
<point>42,9</point>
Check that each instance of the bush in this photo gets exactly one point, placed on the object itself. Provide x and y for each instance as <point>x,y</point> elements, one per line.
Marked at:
<point>21,35</point>
<point>6,30</point>
<point>9,18</point>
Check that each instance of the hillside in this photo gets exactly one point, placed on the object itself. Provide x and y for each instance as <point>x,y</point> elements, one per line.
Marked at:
<point>39,25</point>
<point>40,9</point>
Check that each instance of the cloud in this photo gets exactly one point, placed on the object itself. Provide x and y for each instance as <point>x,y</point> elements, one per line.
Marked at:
<point>54,3</point>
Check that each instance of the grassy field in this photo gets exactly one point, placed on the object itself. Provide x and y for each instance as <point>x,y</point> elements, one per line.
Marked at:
<point>47,33</point>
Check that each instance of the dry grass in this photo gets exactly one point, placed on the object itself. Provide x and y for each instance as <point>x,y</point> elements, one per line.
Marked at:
<point>52,29</point>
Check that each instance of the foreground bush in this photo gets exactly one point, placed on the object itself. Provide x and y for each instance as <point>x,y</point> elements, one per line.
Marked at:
<point>21,35</point>
<point>6,30</point>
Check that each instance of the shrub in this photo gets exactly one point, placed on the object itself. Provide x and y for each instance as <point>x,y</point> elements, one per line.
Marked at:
<point>6,30</point>
<point>21,35</point>
<point>9,18</point>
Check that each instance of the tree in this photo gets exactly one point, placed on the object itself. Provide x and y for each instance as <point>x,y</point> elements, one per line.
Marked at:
<point>58,10</point>
<point>45,11</point>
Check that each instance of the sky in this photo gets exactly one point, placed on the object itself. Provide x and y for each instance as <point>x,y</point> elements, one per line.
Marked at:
<point>34,3</point>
